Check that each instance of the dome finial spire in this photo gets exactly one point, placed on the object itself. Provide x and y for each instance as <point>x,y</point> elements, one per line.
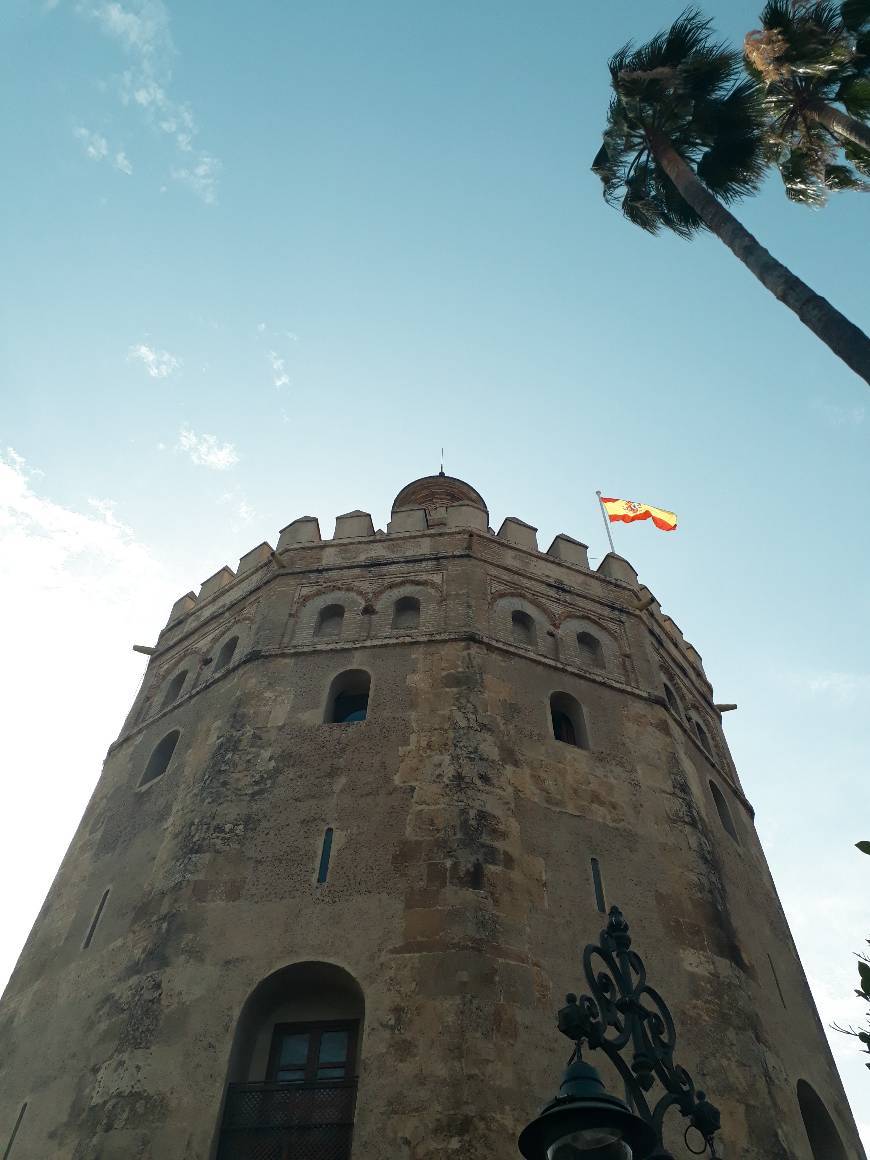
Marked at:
<point>441,472</point>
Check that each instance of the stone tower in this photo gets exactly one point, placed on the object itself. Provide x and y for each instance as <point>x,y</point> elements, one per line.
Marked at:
<point>371,800</point>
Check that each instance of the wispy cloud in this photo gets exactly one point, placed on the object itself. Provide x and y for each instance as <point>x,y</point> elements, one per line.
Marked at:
<point>842,689</point>
<point>94,145</point>
<point>201,176</point>
<point>280,378</point>
<point>206,451</point>
<point>242,512</point>
<point>141,28</point>
<point>836,415</point>
<point>97,148</point>
<point>158,363</point>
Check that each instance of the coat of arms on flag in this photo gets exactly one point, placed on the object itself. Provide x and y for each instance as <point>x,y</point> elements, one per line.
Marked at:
<point>626,511</point>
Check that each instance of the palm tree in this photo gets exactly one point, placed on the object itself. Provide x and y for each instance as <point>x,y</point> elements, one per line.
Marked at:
<point>684,137</point>
<point>811,58</point>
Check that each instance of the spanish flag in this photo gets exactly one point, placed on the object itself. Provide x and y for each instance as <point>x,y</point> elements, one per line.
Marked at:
<point>626,511</point>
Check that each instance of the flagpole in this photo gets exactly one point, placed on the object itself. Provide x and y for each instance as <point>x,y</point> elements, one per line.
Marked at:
<point>606,522</point>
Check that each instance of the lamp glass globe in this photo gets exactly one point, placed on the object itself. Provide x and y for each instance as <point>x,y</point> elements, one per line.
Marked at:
<point>590,1144</point>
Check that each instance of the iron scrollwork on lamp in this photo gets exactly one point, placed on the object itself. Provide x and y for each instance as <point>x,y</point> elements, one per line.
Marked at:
<point>621,1014</point>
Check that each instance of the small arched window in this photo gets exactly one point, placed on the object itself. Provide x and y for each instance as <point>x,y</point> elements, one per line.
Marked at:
<point>724,812</point>
<point>173,689</point>
<point>161,755</point>
<point>822,1132</point>
<point>406,612</point>
<point>330,621</point>
<point>671,698</point>
<point>568,720</point>
<point>523,628</point>
<point>348,699</point>
<point>591,652</point>
<point>703,738</point>
<point>226,654</point>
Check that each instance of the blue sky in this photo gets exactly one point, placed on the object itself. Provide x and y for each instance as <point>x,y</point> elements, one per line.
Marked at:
<point>265,262</point>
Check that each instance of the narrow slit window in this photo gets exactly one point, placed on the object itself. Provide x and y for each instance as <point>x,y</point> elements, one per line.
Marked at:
<point>776,980</point>
<point>97,913</point>
<point>598,886</point>
<point>326,850</point>
<point>8,1151</point>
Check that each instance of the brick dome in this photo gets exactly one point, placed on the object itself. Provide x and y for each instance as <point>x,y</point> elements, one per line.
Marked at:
<point>436,491</point>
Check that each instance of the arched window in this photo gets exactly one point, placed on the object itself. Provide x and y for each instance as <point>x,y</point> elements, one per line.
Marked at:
<point>173,689</point>
<point>671,698</point>
<point>406,612</point>
<point>226,654</point>
<point>724,812</point>
<point>293,1067</point>
<point>569,722</point>
<point>160,758</point>
<point>523,628</point>
<point>591,652</point>
<point>821,1130</point>
<point>348,699</point>
<point>330,621</point>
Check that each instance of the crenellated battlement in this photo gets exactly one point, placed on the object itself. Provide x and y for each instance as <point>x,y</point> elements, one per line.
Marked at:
<point>432,506</point>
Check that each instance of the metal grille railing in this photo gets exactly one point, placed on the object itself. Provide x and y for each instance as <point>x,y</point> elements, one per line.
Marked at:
<point>276,1121</point>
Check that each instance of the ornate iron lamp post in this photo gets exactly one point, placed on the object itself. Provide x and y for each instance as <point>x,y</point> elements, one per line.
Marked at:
<point>586,1122</point>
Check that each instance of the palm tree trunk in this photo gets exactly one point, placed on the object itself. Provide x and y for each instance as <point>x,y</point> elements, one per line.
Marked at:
<point>840,124</point>
<point>845,339</point>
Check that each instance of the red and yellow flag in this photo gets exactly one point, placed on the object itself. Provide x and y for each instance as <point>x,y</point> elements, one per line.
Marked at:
<point>626,511</point>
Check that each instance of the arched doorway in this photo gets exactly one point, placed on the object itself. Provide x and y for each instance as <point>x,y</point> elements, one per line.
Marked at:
<point>822,1132</point>
<point>293,1067</point>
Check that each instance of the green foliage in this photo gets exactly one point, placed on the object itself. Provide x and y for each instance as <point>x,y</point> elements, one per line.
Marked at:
<point>683,85</point>
<point>807,56</point>
<point>854,95</point>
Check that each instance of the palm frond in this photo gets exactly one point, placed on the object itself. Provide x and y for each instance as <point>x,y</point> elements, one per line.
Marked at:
<point>854,96</point>
<point>802,180</point>
<point>733,168</point>
<point>810,53</point>
<point>839,177</point>
<point>686,86</point>
<point>778,14</point>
